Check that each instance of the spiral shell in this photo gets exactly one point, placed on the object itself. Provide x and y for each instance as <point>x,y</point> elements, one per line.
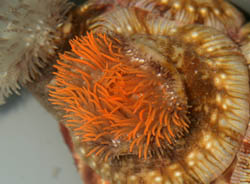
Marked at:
<point>28,40</point>
<point>148,100</point>
<point>218,14</point>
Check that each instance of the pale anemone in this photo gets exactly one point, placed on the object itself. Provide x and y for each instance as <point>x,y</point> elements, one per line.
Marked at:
<point>28,39</point>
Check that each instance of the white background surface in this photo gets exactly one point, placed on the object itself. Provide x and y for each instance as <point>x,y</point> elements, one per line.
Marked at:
<point>32,150</point>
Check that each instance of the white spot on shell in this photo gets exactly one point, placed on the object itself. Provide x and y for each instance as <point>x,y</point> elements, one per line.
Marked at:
<point>141,60</point>
<point>118,29</point>
<point>82,151</point>
<point>177,173</point>
<point>191,8</point>
<point>223,76</point>
<point>132,178</point>
<point>173,30</point>
<point>203,11</point>
<point>217,81</point>
<point>176,5</point>
<point>207,137</point>
<point>164,1</point>
<point>224,106</point>
<point>129,28</point>
<point>210,49</point>
<point>191,163</point>
<point>93,164</point>
<point>194,34</point>
<point>218,98</point>
<point>213,116</point>
<point>208,145</point>
<point>173,166</point>
<point>158,179</point>
<point>216,11</point>
<point>27,44</point>
<point>191,155</point>
<point>152,173</point>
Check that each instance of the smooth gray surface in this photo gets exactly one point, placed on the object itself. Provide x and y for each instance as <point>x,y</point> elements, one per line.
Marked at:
<point>32,148</point>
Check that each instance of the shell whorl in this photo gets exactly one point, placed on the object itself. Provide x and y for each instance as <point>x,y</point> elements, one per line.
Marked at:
<point>213,13</point>
<point>139,55</point>
<point>244,41</point>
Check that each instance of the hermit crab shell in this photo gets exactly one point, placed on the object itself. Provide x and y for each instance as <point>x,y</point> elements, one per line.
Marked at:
<point>213,13</point>
<point>196,69</point>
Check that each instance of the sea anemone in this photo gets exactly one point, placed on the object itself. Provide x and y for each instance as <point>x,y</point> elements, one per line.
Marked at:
<point>148,100</point>
<point>28,39</point>
<point>123,97</point>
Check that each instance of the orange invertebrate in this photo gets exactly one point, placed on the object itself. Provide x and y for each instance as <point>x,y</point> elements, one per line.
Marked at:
<point>118,99</point>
